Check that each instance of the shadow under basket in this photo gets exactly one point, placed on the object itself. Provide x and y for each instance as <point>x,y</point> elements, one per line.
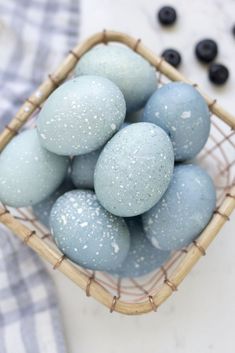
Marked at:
<point>145,294</point>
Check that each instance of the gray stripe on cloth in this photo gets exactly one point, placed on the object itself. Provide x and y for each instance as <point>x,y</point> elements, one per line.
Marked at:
<point>43,47</point>
<point>2,335</point>
<point>71,39</point>
<point>23,298</point>
<point>17,22</point>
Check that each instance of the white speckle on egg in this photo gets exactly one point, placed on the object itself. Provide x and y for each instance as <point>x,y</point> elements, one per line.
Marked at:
<point>43,136</point>
<point>186,115</point>
<point>84,224</point>
<point>155,243</point>
<point>115,247</point>
<point>64,220</point>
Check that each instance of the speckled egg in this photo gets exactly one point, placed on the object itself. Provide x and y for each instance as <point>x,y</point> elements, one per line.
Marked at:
<point>81,115</point>
<point>184,210</point>
<point>135,77</point>
<point>28,172</point>
<point>142,257</point>
<point>83,168</point>
<point>88,234</point>
<point>42,209</point>
<point>182,112</point>
<point>134,169</point>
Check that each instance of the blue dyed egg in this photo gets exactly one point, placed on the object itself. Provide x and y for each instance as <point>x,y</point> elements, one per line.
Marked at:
<point>142,257</point>
<point>83,169</point>
<point>182,112</point>
<point>81,115</point>
<point>42,209</point>
<point>87,233</point>
<point>134,169</point>
<point>184,210</point>
<point>28,172</point>
<point>135,77</point>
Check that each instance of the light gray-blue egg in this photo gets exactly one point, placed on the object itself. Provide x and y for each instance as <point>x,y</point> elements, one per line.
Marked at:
<point>81,115</point>
<point>42,209</point>
<point>83,168</point>
<point>134,169</point>
<point>28,172</point>
<point>128,70</point>
<point>87,233</point>
<point>182,112</point>
<point>142,257</point>
<point>184,210</point>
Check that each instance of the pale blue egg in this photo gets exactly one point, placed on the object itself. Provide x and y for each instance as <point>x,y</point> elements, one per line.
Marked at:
<point>87,233</point>
<point>134,169</point>
<point>42,209</point>
<point>28,172</point>
<point>83,168</point>
<point>142,257</point>
<point>135,77</point>
<point>182,112</point>
<point>81,115</point>
<point>183,211</point>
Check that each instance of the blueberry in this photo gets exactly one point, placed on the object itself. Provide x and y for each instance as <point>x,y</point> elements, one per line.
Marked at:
<point>167,15</point>
<point>218,74</point>
<point>172,56</point>
<point>206,50</point>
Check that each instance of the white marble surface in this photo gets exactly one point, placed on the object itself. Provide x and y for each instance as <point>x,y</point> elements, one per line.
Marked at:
<point>200,317</point>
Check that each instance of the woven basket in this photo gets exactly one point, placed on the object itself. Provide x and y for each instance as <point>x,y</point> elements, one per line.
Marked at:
<point>130,296</point>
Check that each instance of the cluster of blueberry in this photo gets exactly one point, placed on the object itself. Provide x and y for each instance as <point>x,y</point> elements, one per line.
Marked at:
<point>206,50</point>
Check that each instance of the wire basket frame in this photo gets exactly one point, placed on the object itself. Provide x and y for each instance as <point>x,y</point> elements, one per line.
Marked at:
<point>130,296</point>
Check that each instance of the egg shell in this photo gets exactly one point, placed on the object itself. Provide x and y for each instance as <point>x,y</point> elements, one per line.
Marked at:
<point>87,233</point>
<point>83,168</point>
<point>135,77</point>
<point>28,172</point>
<point>142,257</point>
<point>81,115</point>
<point>134,169</point>
<point>182,112</point>
<point>184,210</point>
<point>42,209</point>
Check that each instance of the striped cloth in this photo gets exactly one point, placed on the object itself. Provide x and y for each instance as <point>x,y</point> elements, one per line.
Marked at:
<point>34,36</point>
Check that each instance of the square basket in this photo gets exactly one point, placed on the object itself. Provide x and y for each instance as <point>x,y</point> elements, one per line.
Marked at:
<point>142,295</point>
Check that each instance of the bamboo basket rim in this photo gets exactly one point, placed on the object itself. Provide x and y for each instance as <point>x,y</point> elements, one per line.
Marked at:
<point>54,256</point>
